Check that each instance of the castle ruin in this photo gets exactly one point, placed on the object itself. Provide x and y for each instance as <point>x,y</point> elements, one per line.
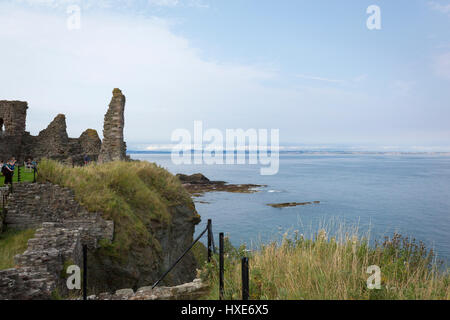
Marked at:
<point>54,143</point>
<point>114,147</point>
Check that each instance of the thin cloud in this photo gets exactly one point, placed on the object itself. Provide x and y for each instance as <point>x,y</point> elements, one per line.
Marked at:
<point>116,4</point>
<point>164,3</point>
<point>357,79</point>
<point>442,8</point>
<point>403,87</point>
<point>442,65</point>
<point>307,77</point>
<point>179,3</point>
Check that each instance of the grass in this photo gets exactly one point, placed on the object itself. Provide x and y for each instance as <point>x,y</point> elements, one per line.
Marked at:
<point>13,242</point>
<point>133,194</point>
<point>332,269</point>
<point>24,176</point>
<point>200,253</point>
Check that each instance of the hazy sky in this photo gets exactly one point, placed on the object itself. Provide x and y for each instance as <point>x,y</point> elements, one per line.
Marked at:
<point>311,69</point>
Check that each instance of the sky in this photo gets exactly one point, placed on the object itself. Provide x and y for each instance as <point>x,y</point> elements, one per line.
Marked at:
<point>311,69</point>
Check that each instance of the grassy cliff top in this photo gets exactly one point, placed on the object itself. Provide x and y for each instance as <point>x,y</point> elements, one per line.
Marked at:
<point>333,268</point>
<point>132,194</point>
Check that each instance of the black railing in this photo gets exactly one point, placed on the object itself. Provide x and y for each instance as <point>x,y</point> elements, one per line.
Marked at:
<point>211,248</point>
<point>221,266</point>
<point>18,173</point>
<point>245,279</point>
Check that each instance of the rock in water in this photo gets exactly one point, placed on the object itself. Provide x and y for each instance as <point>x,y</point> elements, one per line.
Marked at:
<point>193,178</point>
<point>113,146</point>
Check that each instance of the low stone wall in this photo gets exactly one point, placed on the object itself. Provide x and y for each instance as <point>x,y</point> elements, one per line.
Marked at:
<point>38,270</point>
<point>31,204</point>
<point>187,291</point>
<point>65,227</point>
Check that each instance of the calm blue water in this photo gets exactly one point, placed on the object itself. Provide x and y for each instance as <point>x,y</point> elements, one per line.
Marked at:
<point>409,194</point>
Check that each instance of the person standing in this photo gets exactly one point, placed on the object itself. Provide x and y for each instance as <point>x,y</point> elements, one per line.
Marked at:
<point>8,171</point>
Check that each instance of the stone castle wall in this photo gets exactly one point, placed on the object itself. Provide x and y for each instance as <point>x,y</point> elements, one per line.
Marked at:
<point>12,119</point>
<point>38,270</point>
<point>64,227</point>
<point>113,146</point>
<point>54,143</point>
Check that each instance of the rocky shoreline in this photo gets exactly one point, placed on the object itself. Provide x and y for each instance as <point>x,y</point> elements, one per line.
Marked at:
<point>197,185</point>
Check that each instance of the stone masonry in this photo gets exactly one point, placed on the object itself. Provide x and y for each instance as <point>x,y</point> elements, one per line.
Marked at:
<point>65,227</point>
<point>12,127</point>
<point>31,204</point>
<point>54,143</point>
<point>113,146</point>
<point>38,270</point>
<point>186,291</point>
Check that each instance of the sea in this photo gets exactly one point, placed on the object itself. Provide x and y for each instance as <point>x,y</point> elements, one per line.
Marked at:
<point>374,194</point>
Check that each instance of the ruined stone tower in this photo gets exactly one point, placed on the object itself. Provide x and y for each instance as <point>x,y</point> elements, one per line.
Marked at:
<point>113,145</point>
<point>12,127</point>
<point>54,143</point>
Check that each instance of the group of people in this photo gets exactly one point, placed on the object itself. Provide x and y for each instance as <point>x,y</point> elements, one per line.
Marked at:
<point>30,165</point>
<point>7,169</point>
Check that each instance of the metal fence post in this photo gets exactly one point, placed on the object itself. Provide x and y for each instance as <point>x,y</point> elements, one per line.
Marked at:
<point>18,173</point>
<point>221,265</point>
<point>245,284</point>
<point>84,272</point>
<point>34,174</point>
<point>209,240</point>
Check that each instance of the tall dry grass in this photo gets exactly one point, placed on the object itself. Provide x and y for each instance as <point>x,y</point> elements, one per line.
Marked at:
<point>323,267</point>
<point>13,242</point>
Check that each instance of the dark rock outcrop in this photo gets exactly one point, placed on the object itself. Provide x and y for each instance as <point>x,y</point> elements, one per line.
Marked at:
<point>291,204</point>
<point>197,184</point>
<point>193,178</point>
<point>145,265</point>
